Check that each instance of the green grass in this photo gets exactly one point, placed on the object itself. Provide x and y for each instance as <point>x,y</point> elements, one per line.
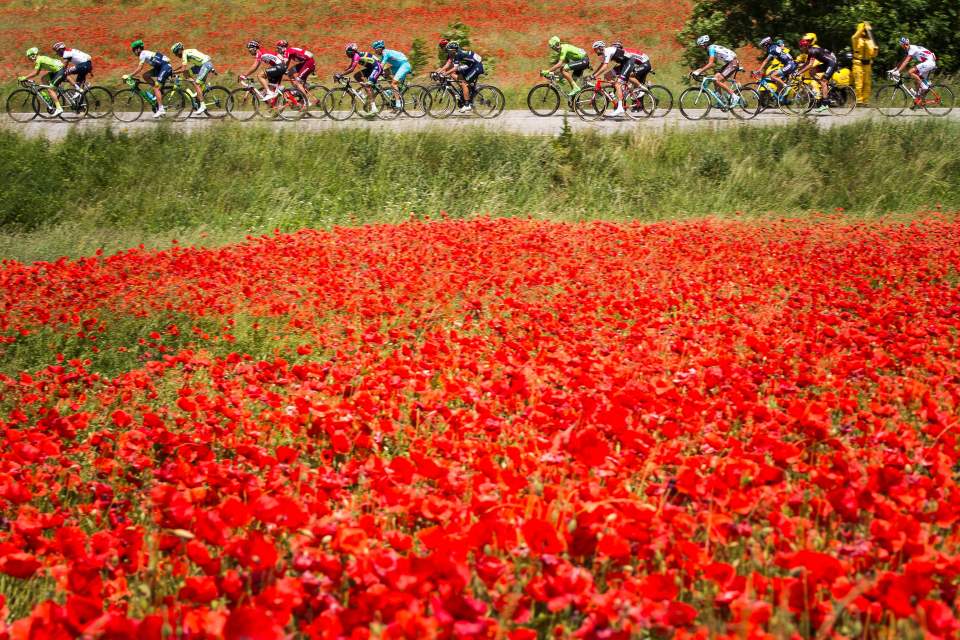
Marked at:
<point>109,190</point>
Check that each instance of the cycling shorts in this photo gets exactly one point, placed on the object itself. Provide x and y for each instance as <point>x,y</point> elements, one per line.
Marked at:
<point>786,71</point>
<point>401,73</point>
<point>201,72</point>
<point>730,69</point>
<point>81,70</point>
<point>641,70</point>
<point>160,74</point>
<point>925,68</point>
<point>625,70</point>
<point>830,69</point>
<point>56,77</point>
<point>469,73</point>
<point>372,73</point>
<point>577,67</point>
<point>303,70</point>
<point>275,73</point>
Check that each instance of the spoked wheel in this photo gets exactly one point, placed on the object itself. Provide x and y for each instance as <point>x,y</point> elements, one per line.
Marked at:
<point>22,106</point>
<point>99,102</point>
<point>842,100</point>
<point>662,100</point>
<point>638,104</point>
<point>45,106</point>
<point>175,104</point>
<point>442,101</point>
<point>416,101</point>
<point>339,104</point>
<point>291,106</point>
<point>939,100</point>
<point>589,104</point>
<point>217,99</point>
<point>244,105</point>
<point>892,100</point>
<point>488,102</point>
<point>799,101</point>
<point>543,100</point>
<point>389,104</point>
<point>315,104</point>
<point>74,108</point>
<point>767,99</point>
<point>748,104</point>
<point>694,103</point>
<point>128,105</point>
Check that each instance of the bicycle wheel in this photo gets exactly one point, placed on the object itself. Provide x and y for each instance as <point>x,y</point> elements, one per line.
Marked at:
<point>748,105</point>
<point>842,100</point>
<point>339,104</point>
<point>543,100</point>
<point>891,100</point>
<point>695,104</point>
<point>662,100</point>
<point>74,107</point>
<point>217,99</point>
<point>442,101</point>
<point>939,100</point>
<point>22,105</point>
<point>291,106</point>
<point>389,103</point>
<point>45,106</point>
<point>767,101</point>
<point>99,101</point>
<point>797,101</point>
<point>127,105</point>
<point>638,104</point>
<point>416,101</point>
<point>590,104</point>
<point>315,104</point>
<point>488,102</point>
<point>176,104</point>
<point>244,104</point>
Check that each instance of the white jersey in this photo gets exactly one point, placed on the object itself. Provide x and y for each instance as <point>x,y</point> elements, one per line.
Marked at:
<point>920,54</point>
<point>721,53</point>
<point>152,58</point>
<point>76,56</point>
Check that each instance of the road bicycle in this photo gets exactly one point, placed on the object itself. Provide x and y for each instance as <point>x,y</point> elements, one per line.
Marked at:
<point>130,103</point>
<point>416,99</point>
<point>246,102</point>
<point>899,96</point>
<point>215,97</point>
<point>696,102</point>
<point>643,101</point>
<point>342,102</point>
<point>446,96</point>
<point>318,91</point>
<point>795,98</point>
<point>545,99</point>
<point>32,101</point>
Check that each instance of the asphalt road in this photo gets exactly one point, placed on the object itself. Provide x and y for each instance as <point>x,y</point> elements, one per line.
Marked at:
<point>515,121</point>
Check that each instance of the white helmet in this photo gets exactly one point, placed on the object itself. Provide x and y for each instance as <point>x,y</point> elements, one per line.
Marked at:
<point>702,40</point>
<point>599,44</point>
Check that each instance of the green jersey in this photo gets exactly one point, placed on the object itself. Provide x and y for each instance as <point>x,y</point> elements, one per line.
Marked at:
<point>194,58</point>
<point>48,64</point>
<point>570,53</point>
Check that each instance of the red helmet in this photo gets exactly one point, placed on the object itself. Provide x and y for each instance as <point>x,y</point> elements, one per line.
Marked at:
<point>282,44</point>
<point>443,43</point>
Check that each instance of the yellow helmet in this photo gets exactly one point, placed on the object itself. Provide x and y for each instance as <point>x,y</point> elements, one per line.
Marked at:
<point>812,37</point>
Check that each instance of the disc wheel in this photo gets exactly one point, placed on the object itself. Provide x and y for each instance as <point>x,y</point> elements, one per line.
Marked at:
<point>128,105</point>
<point>416,101</point>
<point>892,100</point>
<point>389,104</point>
<point>488,102</point>
<point>590,104</point>
<point>244,105</point>
<point>339,104</point>
<point>939,100</point>
<point>217,99</point>
<point>21,106</point>
<point>842,100</point>
<point>99,102</point>
<point>543,100</point>
<point>442,102</point>
<point>748,105</point>
<point>694,103</point>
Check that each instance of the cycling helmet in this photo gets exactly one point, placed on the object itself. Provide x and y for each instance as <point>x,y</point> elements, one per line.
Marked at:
<point>136,44</point>
<point>599,44</point>
<point>453,46</point>
<point>378,44</point>
<point>177,47</point>
<point>780,42</point>
<point>703,40</point>
<point>443,43</point>
<point>33,52</point>
<point>904,41</point>
<point>282,44</point>
<point>812,37</point>
<point>553,42</point>
<point>59,46</point>
<point>766,42</point>
<point>351,48</point>
<point>253,44</point>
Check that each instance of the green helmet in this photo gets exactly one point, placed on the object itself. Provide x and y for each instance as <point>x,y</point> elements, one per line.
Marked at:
<point>136,44</point>
<point>554,42</point>
<point>176,47</point>
<point>33,52</point>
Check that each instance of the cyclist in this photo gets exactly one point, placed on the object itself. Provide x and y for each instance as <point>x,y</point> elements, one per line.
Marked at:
<point>300,65</point>
<point>273,73</point>
<point>571,62</point>
<point>160,70</point>
<point>79,63</point>
<point>199,65</point>
<point>396,63</point>
<point>926,63</point>
<point>54,69</point>
<point>623,62</point>
<point>824,57</point>
<point>467,67</point>
<point>786,65</point>
<point>370,71</point>
<point>730,62</point>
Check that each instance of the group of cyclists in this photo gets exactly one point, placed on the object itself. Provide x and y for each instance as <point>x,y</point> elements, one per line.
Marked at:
<point>615,61</point>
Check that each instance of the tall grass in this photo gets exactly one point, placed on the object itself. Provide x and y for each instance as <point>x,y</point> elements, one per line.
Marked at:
<point>99,188</point>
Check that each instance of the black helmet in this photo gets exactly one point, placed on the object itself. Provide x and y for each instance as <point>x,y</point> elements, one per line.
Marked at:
<point>253,44</point>
<point>453,46</point>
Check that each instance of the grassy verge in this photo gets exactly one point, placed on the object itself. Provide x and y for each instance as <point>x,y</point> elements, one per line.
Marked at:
<point>112,190</point>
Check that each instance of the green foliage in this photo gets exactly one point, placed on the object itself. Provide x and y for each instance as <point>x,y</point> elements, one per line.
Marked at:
<point>221,181</point>
<point>418,55</point>
<point>456,31</point>
<point>932,23</point>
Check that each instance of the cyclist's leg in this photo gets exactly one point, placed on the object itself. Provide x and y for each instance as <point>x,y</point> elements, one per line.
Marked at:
<point>725,74</point>
<point>54,79</point>
<point>923,70</point>
<point>161,77</point>
<point>199,77</point>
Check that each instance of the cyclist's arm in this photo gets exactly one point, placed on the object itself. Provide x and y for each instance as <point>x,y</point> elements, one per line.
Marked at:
<point>602,69</point>
<point>253,68</point>
<point>447,67</point>
<point>763,65</point>
<point>556,67</point>
<point>137,70</point>
<point>903,65</point>
<point>710,63</point>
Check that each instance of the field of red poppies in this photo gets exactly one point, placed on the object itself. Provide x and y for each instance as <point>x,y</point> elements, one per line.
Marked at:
<point>511,33</point>
<point>488,428</point>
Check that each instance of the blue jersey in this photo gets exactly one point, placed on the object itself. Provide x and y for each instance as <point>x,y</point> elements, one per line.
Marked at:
<point>393,59</point>
<point>779,53</point>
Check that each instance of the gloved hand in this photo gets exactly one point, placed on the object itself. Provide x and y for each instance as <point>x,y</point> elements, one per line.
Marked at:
<point>21,78</point>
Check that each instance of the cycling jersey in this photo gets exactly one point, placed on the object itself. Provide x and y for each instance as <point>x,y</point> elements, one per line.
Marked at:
<point>76,56</point>
<point>194,58</point>
<point>269,58</point>
<point>470,65</point>
<point>51,65</point>
<point>467,57</point>
<point>393,59</point>
<point>639,56</point>
<point>823,55</point>
<point>613,54</point>
<point>722,54</point>
<point>570,53</point>
<point>364,59</point>
<point>304,62</point>
<point>155,60</point>
<point>920,54</point>
<point>780,54</point>
<point>298,54</point>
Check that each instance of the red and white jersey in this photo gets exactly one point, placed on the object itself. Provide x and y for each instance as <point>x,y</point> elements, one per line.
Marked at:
<point>268,57</point>
<point>920,54</point>
<point>298,53</point>
<point>639,56</point>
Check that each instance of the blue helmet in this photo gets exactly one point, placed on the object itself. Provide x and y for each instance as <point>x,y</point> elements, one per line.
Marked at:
<point>378,44</point>
<point>904,41</point>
